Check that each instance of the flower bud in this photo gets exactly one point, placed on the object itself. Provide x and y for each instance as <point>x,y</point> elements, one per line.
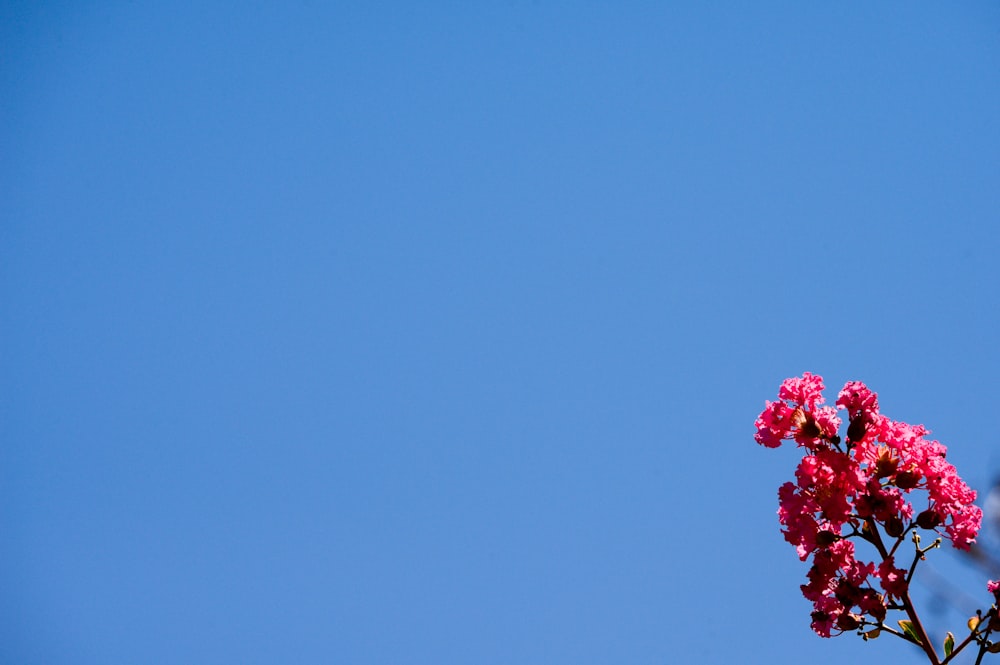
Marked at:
<point>907,480</point>
<point>856,430</point>
<point>826,538</point>
<point>894,527</point>
<point>848,622</point>
<point>928,519</point>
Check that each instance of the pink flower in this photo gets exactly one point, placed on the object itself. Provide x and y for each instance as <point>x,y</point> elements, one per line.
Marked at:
<point>893,579</point>
<point>856,398</point>
<point>900,436</point>
<point>993,586</point>
<point>844,490</point>
<point>923,464</point>
<point>964,526</point>
<point>832,478</point>
<point>796,511</point>
<point>882,503</point>
<point>773,424</point>
<point>814,428</point>
<point>827,421</point>
<point>797,415</point>
<point>806,391</point>
<point>838,557</point>
<point>873,605</point>
<point>824,617</point>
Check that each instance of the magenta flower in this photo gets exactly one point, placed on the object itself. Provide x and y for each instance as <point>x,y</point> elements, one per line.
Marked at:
<point>806,390</point>
<point>774,424</point>
<point>893,579</point>
<point>861,487</point>
<point>857,399</point>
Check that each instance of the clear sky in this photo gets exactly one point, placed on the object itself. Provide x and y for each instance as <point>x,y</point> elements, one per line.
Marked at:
<point>435,332</point>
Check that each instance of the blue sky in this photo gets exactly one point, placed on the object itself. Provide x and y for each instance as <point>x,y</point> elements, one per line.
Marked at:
<point>385,333</point>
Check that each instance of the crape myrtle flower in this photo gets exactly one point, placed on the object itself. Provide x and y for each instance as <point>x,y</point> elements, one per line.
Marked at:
<point>882,479</point>
<point>798,415</point>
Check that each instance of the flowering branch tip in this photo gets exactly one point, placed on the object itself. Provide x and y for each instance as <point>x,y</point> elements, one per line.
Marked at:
<point>864,487</point>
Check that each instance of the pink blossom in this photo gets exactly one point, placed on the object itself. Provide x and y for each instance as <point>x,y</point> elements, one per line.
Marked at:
<point>806,391</point>
<point>797,414</point>
<point>873,605</point>
<point>839,556</point>
<point>831,478</point>
<point>844,491</point>
<point>824,617</point>
<point>893,579</point>
<point>964,526</point>
<point>856,398</point>
<point>993,586</point>
<point>773,424</point>
<point>827,421</point>
<point>796,513</point>
<point>814,428</point>
<point>882,503</point>
<point>900,436</point>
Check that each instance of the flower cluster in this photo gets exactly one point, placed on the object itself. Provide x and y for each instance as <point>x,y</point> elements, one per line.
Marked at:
<point>859,488</point>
